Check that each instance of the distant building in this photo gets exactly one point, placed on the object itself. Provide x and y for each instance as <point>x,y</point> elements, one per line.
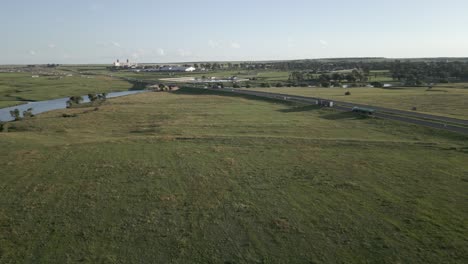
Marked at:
<point>126,64</point>
<point>177,69</point>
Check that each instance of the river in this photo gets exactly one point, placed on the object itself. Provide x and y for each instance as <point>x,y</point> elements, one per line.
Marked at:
<point>54,104</point>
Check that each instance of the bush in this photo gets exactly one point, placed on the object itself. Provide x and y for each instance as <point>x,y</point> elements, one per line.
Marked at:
<point>248,86</point>
<point>28,113</point>
<point>102,96</point>
<point>92,97</point>
<point>74,100</point>
<point>377,84</point>
<point>325,84</point>
<point>347,93</point>
<point>15,114</point>
<point>265,85</point>
<point>279,84</point>
<point>236,85</point>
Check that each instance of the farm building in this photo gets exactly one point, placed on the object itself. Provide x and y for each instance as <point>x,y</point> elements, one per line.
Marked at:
<point>126,64</point>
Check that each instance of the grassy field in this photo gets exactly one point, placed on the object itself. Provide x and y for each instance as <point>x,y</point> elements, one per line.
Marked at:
<point>445,100</point>
<point>202,178</point>
<point>16,88</point>
<point>380,76</point>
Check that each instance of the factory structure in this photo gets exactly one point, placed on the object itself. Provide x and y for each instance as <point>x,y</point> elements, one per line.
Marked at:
<point>126,64</point>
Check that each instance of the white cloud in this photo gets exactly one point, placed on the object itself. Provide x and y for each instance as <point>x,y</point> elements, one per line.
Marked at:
<point>291,42</point>
<point>52,46</point>
<point>116,44</point>
<point>235,45</point>
<point>214,44</point>
<point>138,54</point>
<point>32,52</point>
<point>323,42</point>
<point>161,52</point>
<point>184,53</point>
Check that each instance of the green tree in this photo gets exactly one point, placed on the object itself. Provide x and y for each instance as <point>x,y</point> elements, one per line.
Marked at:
<point>28,113</point>
<point>74,100</point>
<point>92,97</point>
<point>15,114</point>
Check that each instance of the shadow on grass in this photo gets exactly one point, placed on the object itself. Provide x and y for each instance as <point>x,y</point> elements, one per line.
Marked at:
<point>304,108</point>
<point>137,86</point>
<point>199,91</point>
<point>344,115</point>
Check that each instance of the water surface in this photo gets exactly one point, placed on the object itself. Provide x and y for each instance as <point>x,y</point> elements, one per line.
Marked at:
<point>54,104</point>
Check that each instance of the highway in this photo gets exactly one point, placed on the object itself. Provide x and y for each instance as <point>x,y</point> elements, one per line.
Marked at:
<point>438,122</point>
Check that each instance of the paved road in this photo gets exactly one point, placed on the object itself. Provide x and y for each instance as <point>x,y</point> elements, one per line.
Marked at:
<point>444,123</point>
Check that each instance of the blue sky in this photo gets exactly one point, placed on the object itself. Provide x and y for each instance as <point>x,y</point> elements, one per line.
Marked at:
<point>99,31</point>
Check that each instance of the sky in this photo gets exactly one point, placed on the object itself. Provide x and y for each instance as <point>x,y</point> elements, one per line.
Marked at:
<point>101,31</point>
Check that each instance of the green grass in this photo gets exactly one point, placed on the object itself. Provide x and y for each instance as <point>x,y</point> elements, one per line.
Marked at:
<point>15,88</point>
<point>381,76</point>
<point>194,177</point>
<point>444,100</point>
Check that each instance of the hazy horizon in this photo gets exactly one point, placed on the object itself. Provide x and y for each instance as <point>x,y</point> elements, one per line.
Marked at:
<point>99,31</point>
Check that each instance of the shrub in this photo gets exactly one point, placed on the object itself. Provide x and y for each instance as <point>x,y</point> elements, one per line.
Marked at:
<point>92,97</point>
<point>265,85</point>
<point>15,114</point>
<point>74,100</point>
<point>236,85</point>
<point>248,86</point>
<point>347,93</point>
<point>279,84</point>
<point>102,96</point>
<point>377,84</point>
<point>28,113</point>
